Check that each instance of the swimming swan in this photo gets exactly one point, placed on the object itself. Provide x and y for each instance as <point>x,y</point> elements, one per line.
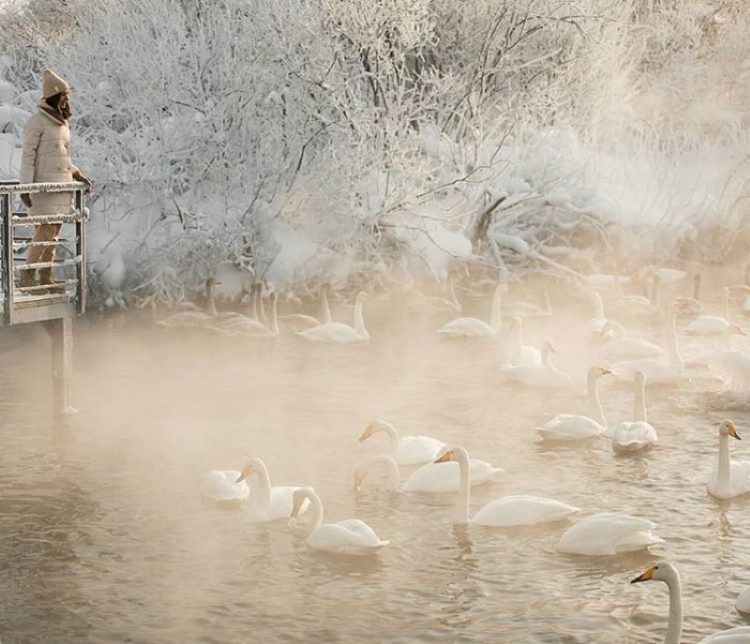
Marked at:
<point>348,537</point>
<point>607,534</point>
<point>730,478</point>
<point>301,321</point>
<point>341,333</point>
<point>667,573</point>
<point>636,435</point>
<point>508,511</point>
<point>222,485</point>
<point>714,324</point>
<point>522,355</point>
<point>574,427</point>
<point>657,371</point>
<point>266,502</point>
<point>543,375</point>
<point>406,450</point>
<point>468,327</point>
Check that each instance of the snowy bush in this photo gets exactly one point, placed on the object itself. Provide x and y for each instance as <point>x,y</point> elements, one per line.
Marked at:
<point>326,141</point>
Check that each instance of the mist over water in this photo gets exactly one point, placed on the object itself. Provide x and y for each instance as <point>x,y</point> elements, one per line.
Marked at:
<point>103,533</point>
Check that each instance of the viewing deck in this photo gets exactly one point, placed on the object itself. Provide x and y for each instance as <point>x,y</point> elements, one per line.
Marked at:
<point>22,305</point>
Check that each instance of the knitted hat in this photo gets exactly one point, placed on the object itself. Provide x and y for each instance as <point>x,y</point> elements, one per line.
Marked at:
<point>53,84</point>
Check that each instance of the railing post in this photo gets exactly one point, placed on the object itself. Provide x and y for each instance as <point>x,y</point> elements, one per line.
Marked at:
<point>80,252</point>
<point>6,208</point>
<point>61,338</point>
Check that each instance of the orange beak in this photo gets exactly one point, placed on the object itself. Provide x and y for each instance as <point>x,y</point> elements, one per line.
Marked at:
<point>444,457</point>
<point>246,471</point>
<point>366,434</point>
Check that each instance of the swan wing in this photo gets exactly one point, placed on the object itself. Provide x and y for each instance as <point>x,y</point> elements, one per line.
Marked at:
<point>656,372</point>
<point>350,536</point>
<point>282,501</point>
<point>607,534</point>
<point>571,427</point>
<point>434,477</point>
<point>482,471</point>
<point>332,332</point>
<point>522,510</point>
<point>530,356</point>
<point>733,367</point>
<point>219,485</point>
<point>633,348</point>
<point>706,325</point>
<point>186,319</point>
<point>413,450</point>
<point>630,437</point>
<point>466,327</point>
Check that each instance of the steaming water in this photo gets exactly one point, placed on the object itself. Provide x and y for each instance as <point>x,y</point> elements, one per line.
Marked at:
<point>103,534</point>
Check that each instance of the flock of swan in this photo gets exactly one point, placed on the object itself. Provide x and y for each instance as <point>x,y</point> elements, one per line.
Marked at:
<point>440,468</point>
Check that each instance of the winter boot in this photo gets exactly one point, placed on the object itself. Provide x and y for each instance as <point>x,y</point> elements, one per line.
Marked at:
<point>28,278</point>
<point>45,277</point>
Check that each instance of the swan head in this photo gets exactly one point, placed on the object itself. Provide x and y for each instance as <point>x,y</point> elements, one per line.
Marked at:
<point>733,328</point>
<point>658,572</point>
<point>458,454</point>
<point>359,477</point>
<point>298,498</point>
<point>212,281</point>
<point>362,297</point>
<point>549,346</point>
<point>598,372</point>
<point>727,428</point>
<point>446,456</point>
<point>377,425</point>
<point>639,378</point>
<point>252,466</point>
<point>516,323</point>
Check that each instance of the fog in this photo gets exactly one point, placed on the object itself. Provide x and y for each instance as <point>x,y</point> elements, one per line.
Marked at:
<point>105,535</point>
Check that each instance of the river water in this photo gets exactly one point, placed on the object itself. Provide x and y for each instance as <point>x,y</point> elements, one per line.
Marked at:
<point>104,537</point>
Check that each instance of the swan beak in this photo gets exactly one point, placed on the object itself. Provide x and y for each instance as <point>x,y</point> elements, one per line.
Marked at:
<point>606,372</point>
<point>444,457</point>
<point>366,434</point>
<point>647,575</point>
<point>733,432</point>
<point>738,330</point>
<point>358,478</point>
<point>244,474</point>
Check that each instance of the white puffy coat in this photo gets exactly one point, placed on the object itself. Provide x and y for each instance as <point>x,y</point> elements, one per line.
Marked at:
<point>46,158</point>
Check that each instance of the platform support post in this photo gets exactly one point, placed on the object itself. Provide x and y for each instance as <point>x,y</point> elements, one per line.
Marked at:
<point>61,337</point>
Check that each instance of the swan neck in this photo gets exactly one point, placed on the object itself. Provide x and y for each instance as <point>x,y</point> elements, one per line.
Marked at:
<point>697,287</point>
<point>596,404</point>
<point>392,470</point>
<point>598,306</point>
<point>256,297</point>
<point>547,303</point>
<point>674,627</point>
<point>655,283</point>
<point>263,317</point>
<point>264,482</point>
<point>210,301</point>
<point>316,513</point>
<point>392,434</point>
<point>325,309</point>
<point>496,318</point>
<point>639,411</point>
<point>452,293</point>
<point>724,475</point>
<point>359,319</point>
<point>274,318</point>
<point>464,489</point>
<point>515,356</point>
<point>725,303</point>
<point>674,353</point>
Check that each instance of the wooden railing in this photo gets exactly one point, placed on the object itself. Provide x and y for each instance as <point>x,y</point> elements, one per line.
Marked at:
<point>39,302</point>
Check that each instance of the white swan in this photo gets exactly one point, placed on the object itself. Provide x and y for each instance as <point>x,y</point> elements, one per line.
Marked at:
<point>195,318</point>
<point>622,346</point>
<point>543,375</point>
<point>691,305</point>
<point>406,450</point>
<point>574,427</point>
<point>468,327</point>
<point>249,324</point>
<point>241,325</point>
<point>607,534</point>
<point>636,435</point>
<point>657,372</point>
<point>596,327</point>
<point>742,604</point>
<point>522,355</point>
<point>338,332</point>
<point>507,511</point>
<point>730,478</point>
<point>223,485</point>
<point>640,305</point>
<point>348,537</point>
<point>266,502</point>
<point>302,321</point>
<point>523,309</point>
<point>431,477</point>
<point>667,573</point>
<point>714,324</point>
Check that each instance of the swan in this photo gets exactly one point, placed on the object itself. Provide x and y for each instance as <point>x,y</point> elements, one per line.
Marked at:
<point>192,318</point>
<point>230,317</point>
<point>622,346</point>
<point>468,327</point>
<point>508,511</point>
<point>667,573</point>
<point>641,305</point>
<point>714,324</point>
<point>522,355</point>
<point>224,485</point>
<point>301,321</point>
<point>267,503</point>
<point>730,478</point>
<point>691,305</point>
<point>524,309</point>
<point>431,477</point>
<point>348,537</point>
<point>634,436</point>
<point>573,427</point>
<point>241,325</point>
<point>743,601</point>
<point>595,328</point>
<point>338,332</point>
<point>607,534</point>
<point>543,375</point>
<point>657,372</point>
<point>406,450</point>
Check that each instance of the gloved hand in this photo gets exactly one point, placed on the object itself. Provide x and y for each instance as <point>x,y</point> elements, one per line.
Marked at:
<point>26,198</point>
<point>79,176</point>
